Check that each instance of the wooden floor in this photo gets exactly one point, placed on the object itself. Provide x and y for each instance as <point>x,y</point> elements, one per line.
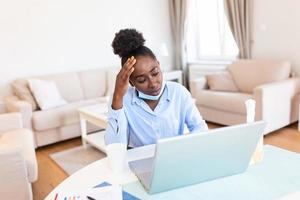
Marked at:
<point>286,138</point>
<point>50,174</point>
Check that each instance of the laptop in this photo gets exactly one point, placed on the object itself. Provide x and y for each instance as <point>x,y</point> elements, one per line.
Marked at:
<point>194,158</point>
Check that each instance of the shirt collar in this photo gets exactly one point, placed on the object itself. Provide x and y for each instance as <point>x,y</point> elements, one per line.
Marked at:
<point>135,98</point>
<point>168,94</point>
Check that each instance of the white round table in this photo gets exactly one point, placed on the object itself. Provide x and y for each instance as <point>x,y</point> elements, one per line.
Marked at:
<point>98,172</point>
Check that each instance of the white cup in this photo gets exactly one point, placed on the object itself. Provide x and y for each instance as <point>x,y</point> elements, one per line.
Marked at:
<point>250,107</point>
<point>117,157</point>
<point>258,153</point>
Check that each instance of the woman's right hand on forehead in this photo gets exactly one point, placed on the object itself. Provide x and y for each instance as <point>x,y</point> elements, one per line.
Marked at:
<point>122,83</point>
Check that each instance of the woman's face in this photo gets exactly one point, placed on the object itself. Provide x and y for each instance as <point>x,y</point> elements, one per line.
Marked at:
<point>147,76</point>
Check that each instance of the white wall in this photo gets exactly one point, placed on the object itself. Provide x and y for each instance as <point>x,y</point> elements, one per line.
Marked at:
<point>49,36</point>
<point>276,30</point>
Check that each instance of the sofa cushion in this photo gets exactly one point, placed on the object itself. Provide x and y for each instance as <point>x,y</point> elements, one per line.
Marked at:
<point>247,74</point>
<point>224,101</point>
<point>46,94</point>
<point>61,116</point>
<point>68,84</point>
<point>93,83</point>
<point>221,81</point>
<point>21,90</point>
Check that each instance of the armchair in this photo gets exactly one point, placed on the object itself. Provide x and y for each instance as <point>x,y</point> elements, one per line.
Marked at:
<point>267,82</point>
<point>18,165</point>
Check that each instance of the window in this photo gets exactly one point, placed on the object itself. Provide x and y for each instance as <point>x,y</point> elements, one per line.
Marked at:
<point>208,34</point>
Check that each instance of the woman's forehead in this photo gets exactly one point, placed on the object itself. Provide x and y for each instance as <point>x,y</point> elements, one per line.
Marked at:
<point>144,64</point>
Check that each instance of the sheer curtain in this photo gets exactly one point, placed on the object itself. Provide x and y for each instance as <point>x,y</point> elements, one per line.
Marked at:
<point>208,34</point>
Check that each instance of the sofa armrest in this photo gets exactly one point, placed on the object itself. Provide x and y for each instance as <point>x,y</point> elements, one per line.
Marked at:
<point>14,182</point>
<point>104,99</point>
<point>274,102</point>
<point>13,104</point>
<point>10,121</point>
<point>197,84</point>
<point>21,141</point>
<point>111,75</point>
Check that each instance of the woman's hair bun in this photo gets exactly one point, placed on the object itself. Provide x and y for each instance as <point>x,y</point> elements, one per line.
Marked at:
<point>126,41</point>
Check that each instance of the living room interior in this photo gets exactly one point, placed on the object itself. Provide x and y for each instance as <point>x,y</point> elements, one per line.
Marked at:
<point>58,71</point>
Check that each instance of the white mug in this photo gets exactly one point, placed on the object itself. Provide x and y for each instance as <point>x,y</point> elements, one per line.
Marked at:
<point>117,157</point>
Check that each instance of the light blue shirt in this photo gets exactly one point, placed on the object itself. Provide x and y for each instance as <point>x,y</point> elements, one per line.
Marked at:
<point>136,124</point>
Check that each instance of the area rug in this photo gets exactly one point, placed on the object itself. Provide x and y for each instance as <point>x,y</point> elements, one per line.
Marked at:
<point>71,160</point>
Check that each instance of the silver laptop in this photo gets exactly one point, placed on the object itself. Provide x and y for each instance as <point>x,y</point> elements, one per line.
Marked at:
<point>198,157</point>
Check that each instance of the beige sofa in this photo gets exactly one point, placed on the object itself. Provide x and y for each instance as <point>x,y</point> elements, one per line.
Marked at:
<point>18,165</point>
<point>79,89</point>
<point>267,82</point>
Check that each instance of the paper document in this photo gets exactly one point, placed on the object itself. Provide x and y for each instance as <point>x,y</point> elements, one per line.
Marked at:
<point>112,192</point>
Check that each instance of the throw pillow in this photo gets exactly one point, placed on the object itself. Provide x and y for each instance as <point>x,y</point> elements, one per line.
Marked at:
<point>221,81</point>
<point>22,91</point>
<point>46,94</point>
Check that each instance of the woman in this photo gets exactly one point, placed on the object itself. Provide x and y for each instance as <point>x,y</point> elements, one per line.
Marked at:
<point>151,109</point>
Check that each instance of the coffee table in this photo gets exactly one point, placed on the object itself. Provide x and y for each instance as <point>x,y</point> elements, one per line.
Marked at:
<point>97,115</point>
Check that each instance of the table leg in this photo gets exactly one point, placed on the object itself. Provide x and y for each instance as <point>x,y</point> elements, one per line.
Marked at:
<point>83,131</point>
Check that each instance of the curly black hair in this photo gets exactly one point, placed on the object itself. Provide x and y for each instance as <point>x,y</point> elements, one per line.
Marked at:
<point>130,42</point>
